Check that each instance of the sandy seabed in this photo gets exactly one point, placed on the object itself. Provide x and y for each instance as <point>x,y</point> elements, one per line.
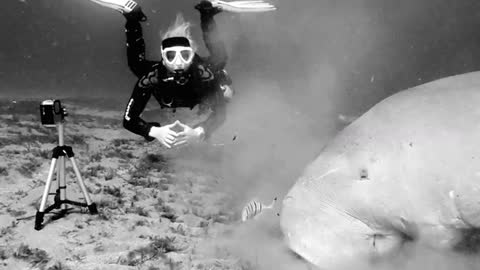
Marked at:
<point>156,211</point>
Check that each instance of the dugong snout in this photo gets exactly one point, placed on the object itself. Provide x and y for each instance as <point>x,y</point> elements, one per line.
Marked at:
<point>328,236</point>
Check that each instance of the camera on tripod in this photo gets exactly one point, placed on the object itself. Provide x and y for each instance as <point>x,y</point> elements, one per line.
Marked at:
<point>52,112</point>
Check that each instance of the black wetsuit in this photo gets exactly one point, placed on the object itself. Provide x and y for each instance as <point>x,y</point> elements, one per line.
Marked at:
<point>200,84</point>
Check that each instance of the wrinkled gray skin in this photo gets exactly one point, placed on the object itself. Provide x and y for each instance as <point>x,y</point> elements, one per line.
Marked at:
<point>406,170</point>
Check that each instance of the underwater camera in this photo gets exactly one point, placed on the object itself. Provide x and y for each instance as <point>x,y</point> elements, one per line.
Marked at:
<point>52,112</point>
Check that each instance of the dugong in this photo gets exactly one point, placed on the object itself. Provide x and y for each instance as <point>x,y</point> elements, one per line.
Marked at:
<point>407,170</point>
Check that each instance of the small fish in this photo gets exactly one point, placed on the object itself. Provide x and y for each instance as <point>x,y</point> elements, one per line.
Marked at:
<point>254,208</point>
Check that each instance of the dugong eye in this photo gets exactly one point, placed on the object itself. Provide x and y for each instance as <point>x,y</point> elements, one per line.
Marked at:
<point>364,174</point>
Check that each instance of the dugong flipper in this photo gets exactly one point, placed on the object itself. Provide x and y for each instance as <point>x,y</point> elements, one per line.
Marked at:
<point>406,170</point>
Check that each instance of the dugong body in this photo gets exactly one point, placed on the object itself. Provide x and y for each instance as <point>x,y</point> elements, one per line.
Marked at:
<point>406,170</point>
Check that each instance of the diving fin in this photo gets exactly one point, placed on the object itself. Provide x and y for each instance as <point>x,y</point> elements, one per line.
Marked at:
<point>244,6</point>
<point>123,6</point>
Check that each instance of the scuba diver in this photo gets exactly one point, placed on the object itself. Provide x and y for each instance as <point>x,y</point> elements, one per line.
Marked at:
<point>182,78</point>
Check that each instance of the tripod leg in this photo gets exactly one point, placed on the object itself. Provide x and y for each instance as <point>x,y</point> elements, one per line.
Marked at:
<point>40,212</point>
<point>62,184</point>
<point>91,206</point>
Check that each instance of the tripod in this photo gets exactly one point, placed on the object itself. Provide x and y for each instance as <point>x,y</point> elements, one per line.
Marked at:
<point>60,199</point>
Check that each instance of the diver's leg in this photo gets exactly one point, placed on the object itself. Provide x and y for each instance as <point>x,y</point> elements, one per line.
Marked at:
<point>211,35</point>
<point>135,44</point>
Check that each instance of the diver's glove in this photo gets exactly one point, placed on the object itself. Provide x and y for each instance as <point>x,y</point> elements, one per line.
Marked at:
<point>189,135</point>
<point>164,134</point>
<point>207,8</point>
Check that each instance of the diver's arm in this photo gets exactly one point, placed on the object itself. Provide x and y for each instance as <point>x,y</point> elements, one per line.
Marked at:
<point>131,119</point>
<point>211,36</point>
<point>135,43</point>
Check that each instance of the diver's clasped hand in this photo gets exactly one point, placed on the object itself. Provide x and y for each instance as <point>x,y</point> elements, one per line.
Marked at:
<point>164,134</point>
<point>189,135</point>
<point>169,138</point>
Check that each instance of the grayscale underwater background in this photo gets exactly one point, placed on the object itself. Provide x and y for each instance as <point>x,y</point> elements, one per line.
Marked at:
<point>295,71</point>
